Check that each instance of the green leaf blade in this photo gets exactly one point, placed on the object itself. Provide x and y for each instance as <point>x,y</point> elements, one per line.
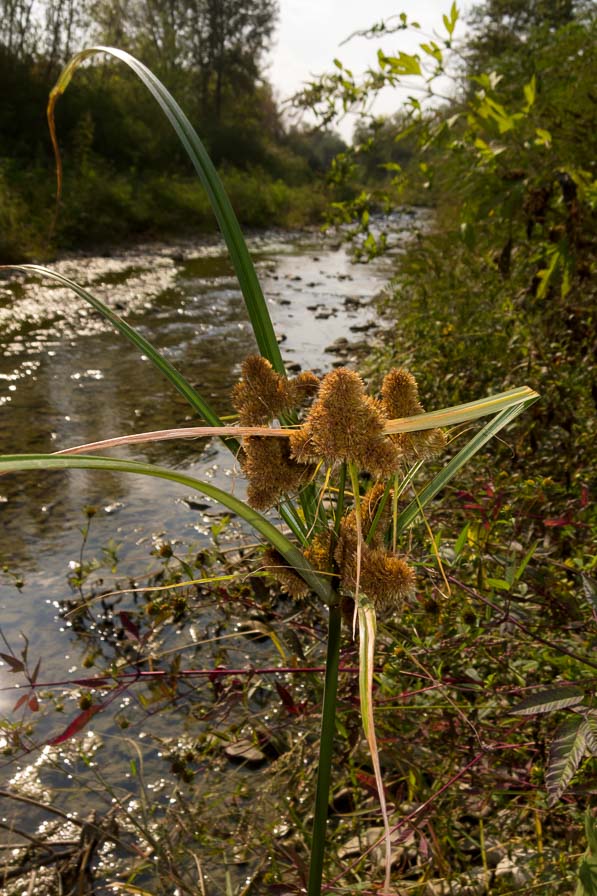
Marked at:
<point>293,556</point>
<point>225,216</point>
<point>433,488</point>
<point>157,359</point>
<point>549,701</point>
<point>566,754</point>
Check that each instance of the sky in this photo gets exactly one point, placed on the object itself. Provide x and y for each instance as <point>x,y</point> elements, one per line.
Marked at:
<point>310,32</point>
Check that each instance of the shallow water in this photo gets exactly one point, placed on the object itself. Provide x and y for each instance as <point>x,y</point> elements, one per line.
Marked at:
<point>66,378</point>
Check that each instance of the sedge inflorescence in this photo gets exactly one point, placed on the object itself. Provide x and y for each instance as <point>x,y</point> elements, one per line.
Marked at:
<point>400,398</point>
<point>261,396</point>
<point>386,578</point>
<point>330,423</point>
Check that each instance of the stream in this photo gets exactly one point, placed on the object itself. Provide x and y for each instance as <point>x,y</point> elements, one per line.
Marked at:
<point>66,377</point>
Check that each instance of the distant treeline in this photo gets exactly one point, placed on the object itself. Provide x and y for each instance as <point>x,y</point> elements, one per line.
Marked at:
<point>125,173</point>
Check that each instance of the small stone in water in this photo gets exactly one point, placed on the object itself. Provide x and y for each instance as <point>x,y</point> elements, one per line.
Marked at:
<point>244,751</point>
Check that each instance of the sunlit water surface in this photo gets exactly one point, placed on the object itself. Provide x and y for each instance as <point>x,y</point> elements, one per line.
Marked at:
<point>67,378</point>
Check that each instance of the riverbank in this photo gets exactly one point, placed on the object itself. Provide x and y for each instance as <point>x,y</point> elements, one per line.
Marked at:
<point>221,765</point>
<point>103,209</point>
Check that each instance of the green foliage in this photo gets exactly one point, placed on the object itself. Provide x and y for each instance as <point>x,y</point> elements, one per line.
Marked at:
<point>587,872</point>
<point>568,748</point>
<point>115,159</point>
<point>497,288</point>
<point>389,438</point>
<point>497,282</point>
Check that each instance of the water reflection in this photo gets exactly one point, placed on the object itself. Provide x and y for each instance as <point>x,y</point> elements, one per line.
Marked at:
<point>67,378</point>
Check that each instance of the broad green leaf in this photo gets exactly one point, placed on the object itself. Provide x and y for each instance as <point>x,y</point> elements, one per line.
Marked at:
<point>433,50</point>
<point>289,551</point>
<point>451,469</point>
<point>498,584</point>
<point>549,700</point>
<point>591,831</point>
<point>403,64</point>
<point>462,413</point>
<point>545,274</point>
<point>591,733</point>
<point>587,870</point>
<point>525,561</point>
<point>530,92</point>
<point>228,223</point>
<point>450,22</point>
<point>566,754</point>
<point>543,137</point>
<point>587,877</point>
<point>461,540</point>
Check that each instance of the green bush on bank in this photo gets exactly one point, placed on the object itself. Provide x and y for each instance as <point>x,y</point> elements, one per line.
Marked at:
<point>497,288</point>
<point>134,206</point>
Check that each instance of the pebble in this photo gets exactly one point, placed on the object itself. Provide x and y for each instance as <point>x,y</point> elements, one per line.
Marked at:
<point>244,751</point>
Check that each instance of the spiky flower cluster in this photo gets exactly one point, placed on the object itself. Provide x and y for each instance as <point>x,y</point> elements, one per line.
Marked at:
<point>260,397</point>
<point>400,398</point>
<point>345,424</point>
<point>384,577</point>
<point>262,394</point>
<point>288,579</point>
<point>271,471</point>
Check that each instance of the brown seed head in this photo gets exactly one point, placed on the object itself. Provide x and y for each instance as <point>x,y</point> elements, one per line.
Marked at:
<point>400,394</point>
<point>270,470</point>
<point>387,579</point>
<point>345,424</point>
<point>301,446</point>
<point>400,398</point>
<point>421,445</point>
<point>261,394</point>
<point>289,580</point>
<point>345,553</point>
<point>381,458</point>
<point>369,505</point>
<point>301,388</point>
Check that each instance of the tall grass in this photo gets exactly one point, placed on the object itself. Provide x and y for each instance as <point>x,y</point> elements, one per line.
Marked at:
<point>330,464</point>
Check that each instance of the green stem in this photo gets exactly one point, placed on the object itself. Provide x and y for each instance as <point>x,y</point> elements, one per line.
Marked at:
<point>326,743</point>
<point>340,502</point>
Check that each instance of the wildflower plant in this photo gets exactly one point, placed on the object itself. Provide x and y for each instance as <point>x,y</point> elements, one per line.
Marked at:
<point>335,469</point>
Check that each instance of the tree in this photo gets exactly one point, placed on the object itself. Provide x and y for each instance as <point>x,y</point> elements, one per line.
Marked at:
<point>228,48</point>
<point>17,32</point>
<point>501,28</point>
<point>219,42</point>
<point>64,26</point>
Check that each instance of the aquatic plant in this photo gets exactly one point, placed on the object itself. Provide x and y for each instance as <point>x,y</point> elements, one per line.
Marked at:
<point>333,463</point>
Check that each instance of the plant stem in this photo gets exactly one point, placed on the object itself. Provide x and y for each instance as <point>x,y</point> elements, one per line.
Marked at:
<point>328,726</point>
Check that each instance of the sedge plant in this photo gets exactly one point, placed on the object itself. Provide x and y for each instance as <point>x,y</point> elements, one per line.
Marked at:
<point>333,473</point>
